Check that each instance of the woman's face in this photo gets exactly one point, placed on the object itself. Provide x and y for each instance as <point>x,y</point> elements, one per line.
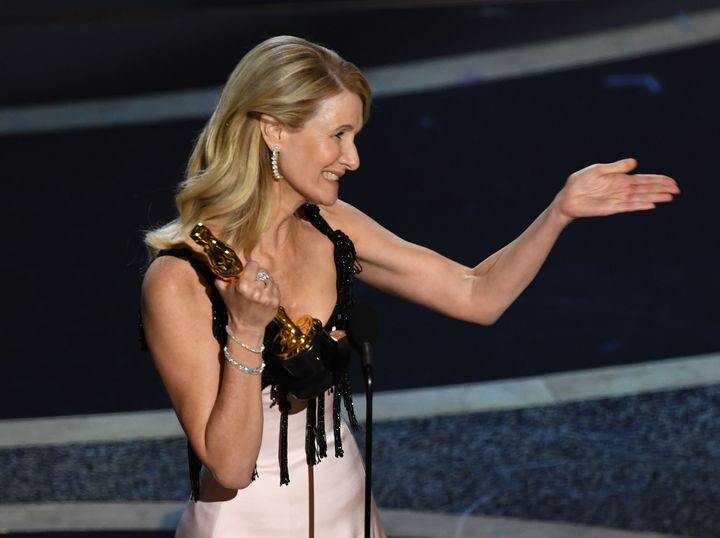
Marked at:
<point>314,158</point>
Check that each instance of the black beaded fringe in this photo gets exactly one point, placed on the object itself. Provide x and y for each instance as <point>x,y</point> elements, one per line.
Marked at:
<point>315,439</point>
<point>194,467</point>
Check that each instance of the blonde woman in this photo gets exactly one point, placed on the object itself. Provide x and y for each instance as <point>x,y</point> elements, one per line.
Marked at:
<point>264,178</point>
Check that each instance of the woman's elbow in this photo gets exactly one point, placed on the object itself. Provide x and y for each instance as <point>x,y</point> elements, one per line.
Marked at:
<point>235,478</point>
<point>485,316</point>
<point>486,320</point>
<point>481,307</point>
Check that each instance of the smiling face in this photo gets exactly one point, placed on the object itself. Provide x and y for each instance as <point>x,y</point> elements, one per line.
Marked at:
<point>314,157</point>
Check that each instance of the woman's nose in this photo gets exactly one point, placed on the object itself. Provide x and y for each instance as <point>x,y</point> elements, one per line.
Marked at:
<point>351,158</point>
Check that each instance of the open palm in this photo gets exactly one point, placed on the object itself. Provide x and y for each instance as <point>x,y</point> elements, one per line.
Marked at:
<point>607,189</point>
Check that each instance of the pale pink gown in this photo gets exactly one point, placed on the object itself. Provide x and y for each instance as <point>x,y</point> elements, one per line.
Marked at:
<point>324,501</point>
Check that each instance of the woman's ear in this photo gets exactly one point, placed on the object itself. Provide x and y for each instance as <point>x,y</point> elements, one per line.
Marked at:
<point>271,129</point>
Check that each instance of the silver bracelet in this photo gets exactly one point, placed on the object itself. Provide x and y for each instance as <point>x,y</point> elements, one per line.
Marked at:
<point>242,344</point>
<point>242,367</point>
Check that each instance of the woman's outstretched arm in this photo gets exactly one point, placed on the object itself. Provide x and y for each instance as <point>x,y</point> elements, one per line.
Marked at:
<point>482,293</point>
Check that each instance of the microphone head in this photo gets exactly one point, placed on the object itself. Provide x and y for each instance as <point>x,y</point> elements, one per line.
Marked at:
<point>362,325</point>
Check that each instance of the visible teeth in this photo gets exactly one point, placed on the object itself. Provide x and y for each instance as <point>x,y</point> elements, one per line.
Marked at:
<point>330,175</point>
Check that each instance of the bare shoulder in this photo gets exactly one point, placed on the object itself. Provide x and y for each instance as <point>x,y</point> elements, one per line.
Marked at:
<point>172,291</point>
<point>169,278</point>
<point>349,219</point>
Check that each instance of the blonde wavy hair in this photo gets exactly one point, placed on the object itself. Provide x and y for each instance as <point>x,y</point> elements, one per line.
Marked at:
<point>228,179</point>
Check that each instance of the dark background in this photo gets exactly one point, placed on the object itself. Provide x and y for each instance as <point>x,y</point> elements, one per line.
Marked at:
<point>460,170</point>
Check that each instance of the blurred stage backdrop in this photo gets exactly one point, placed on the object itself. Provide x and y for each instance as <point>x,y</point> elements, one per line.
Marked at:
<point>481,112</point>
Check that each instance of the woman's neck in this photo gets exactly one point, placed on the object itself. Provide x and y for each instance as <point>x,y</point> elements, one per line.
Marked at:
<point>284,224</point>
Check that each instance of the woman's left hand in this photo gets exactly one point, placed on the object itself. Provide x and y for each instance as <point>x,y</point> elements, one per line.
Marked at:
<point>606,189</point>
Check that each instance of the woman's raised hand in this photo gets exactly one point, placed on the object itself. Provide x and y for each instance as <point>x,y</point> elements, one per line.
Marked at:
<point>251,300</point>
<point>606,189</point>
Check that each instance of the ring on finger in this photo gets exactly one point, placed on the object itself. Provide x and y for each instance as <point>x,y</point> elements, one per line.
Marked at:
<point>263,277</point>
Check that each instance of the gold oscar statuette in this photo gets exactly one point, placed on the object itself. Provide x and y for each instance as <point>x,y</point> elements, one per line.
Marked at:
<point>225,264</point>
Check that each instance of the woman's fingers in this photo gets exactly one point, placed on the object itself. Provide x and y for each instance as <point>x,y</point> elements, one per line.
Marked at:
<point>252,299</point>
<point>627,207</point>
<point>251,270</point>
<point>606,189</point>
<point>654,178</point>
<point>649,191</point>
<point>256,283</point>
<point>653,183</point>
<point>645,188</point>
<point>623,166</point>
<point>654,198</point>
<point>253,278</point>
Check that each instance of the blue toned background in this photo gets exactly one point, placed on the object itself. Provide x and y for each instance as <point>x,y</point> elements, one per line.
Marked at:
<point>462,168</point>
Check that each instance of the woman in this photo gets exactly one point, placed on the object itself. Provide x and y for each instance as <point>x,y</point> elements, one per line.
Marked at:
<point>264,178</point>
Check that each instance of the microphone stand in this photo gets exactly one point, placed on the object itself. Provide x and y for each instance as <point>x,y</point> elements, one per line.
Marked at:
<point>362,330</point>
<point>366,363</point>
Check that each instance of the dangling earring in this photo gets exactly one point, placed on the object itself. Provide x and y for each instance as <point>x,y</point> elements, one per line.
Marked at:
<point>274,163</point>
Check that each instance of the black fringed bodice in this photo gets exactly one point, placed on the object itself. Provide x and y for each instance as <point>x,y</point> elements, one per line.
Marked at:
<point>347,267</point>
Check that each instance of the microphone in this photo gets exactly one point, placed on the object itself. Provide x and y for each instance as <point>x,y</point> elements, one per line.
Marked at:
<point>362,330</point>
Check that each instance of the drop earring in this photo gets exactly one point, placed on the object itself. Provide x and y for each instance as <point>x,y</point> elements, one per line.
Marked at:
<point>274,163</point>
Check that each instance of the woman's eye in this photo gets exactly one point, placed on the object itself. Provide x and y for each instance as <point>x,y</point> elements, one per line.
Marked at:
<point>340,134</point>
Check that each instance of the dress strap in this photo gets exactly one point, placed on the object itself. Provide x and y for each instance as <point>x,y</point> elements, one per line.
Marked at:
<point>346,264</point>
<point>312,213</point>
